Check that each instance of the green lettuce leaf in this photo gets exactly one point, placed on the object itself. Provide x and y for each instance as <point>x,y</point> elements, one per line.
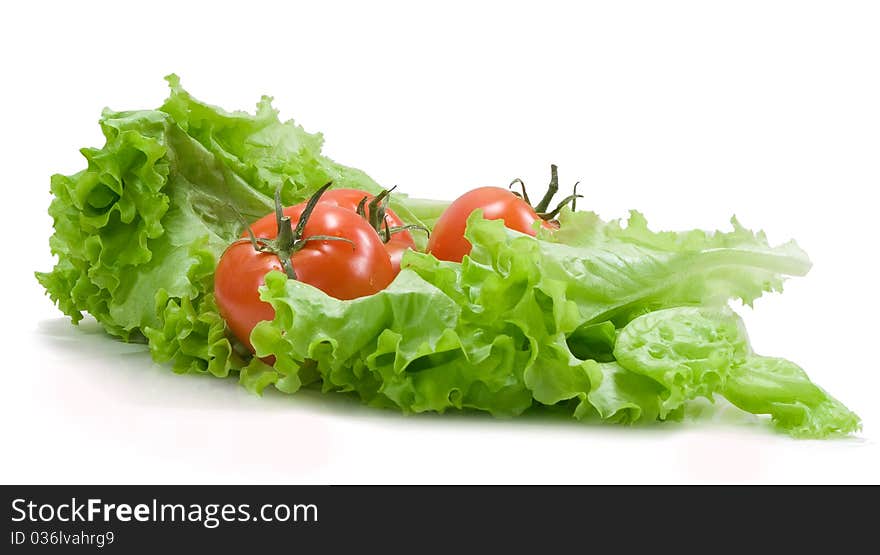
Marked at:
<point>617,270</point>
<point>139,220</point>
<point>402,347</point>
<point>688,350</point>
<point>698,351</point>
<point>626,397</point>
<point>780,388</point>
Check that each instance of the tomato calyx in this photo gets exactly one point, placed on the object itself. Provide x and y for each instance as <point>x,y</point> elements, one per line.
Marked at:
<point>375,216</point>
<point>542,207</point>
<point>289,239</point>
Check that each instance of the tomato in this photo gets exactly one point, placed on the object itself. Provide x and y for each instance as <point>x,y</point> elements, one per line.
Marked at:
<point>355,266</point>
<point>447,241</point>
<point>398,242</point>
<point>396,247</point>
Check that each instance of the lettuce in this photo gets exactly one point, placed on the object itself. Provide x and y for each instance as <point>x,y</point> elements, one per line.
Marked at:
<point>618,269</point>
<point>508,329</point>
<point>138,233</point>
<point>698,351</point>
<point>601,320</point>
<point>780,388</point>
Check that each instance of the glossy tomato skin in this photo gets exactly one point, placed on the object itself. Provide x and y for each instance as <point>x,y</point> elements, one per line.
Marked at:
<point>447,241</point>
<point>239,275</point>
<point>349,200</point>
<point>338,268</point>
<point>395,249</point>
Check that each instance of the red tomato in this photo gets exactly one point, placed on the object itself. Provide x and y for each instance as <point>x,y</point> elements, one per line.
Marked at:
<point>342,269</point>
<point>395,248</point>
<point>447,241</point>
<point>351,198</point>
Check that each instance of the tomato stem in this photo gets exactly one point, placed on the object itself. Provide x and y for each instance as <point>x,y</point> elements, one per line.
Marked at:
<point>551,190</point>
<point>286,236</point>
<point>307,211</point>
<point>301,243</point>
<point>361,208</point>
<point>408,227</point>
<point>285,239</point>
<point>289,240</point>
<point>524,195</point>
<point>377,209</point>
<point>377,215</point>
<point>555,212</point>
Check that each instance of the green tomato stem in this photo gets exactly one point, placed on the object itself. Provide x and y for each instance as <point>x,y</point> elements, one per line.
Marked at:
<point>551,190</point>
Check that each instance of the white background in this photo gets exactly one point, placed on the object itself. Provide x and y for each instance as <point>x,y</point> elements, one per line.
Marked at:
<point>688,111</point>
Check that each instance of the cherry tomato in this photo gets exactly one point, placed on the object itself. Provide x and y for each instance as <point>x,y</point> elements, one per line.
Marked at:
<point>348,269</point>
<point>447,241</point>
<point>351,198</point>
<point>396,247</point>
